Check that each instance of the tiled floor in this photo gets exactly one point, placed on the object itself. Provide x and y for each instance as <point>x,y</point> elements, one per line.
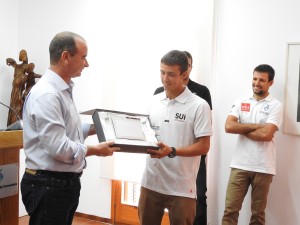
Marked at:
<point>77,221</point>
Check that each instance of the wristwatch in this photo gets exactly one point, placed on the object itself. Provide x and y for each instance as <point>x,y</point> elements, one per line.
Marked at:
<point>173,153</point>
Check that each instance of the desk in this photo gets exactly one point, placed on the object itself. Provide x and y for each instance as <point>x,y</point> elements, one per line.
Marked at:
<point>10,144</point>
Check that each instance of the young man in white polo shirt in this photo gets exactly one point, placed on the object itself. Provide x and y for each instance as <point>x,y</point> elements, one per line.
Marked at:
<point>182,122</point>
<point>255,119</point>
<point>203,92</point>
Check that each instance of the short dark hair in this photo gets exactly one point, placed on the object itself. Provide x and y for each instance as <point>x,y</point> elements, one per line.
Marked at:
<point>176,57</point>
<point>264,68</point>
<point>63,41</point>
<point>188,55</point>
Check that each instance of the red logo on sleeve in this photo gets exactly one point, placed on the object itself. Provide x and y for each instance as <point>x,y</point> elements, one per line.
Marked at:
<point>245,107</point>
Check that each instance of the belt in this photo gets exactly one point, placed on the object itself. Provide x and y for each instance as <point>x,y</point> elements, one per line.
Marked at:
<point>53,173</point>
<point>33,172</point>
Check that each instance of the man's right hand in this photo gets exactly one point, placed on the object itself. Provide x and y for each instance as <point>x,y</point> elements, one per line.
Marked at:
<point>102,149</point>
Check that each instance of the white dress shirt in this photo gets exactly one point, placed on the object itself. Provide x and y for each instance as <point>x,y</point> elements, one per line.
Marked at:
<point>53,134</point>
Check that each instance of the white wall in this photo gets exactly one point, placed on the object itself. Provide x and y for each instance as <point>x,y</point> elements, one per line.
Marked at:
<point>249,33</point>
<point>9,23</point>
<point>125,47</point>
<point>8,49</point>
<point>126,41</point>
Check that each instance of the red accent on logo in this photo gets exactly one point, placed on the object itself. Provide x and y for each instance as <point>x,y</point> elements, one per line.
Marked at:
<point>245,107</point>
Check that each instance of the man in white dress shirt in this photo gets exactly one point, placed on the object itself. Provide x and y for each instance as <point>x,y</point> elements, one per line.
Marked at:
<point>54,137</point>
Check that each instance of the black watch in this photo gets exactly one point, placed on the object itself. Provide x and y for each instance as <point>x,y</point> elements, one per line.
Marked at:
<point>173,153</point>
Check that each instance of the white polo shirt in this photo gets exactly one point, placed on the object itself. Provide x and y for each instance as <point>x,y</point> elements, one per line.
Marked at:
<point>177,123</point>
<point>256,156</point>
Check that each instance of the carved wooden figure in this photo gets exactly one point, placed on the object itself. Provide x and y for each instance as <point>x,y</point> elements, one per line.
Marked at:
<point>23,77</point>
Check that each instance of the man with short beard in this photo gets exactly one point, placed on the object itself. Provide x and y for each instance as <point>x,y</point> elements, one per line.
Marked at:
<point>255,119</point>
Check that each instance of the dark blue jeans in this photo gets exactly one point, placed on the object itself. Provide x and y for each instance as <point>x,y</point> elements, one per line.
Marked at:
<point>50,198</point>
<point>201,207</point>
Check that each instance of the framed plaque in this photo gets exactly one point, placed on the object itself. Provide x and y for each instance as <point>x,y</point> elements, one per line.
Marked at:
<point>131,132</point>
<point>291,117</point>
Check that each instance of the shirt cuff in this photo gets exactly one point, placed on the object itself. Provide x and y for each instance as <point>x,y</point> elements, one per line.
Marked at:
<point>80,154</point>
<point>85,130</point>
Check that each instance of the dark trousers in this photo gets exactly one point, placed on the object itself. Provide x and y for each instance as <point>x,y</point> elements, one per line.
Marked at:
<point>201,207</point>
<point>50,198</point>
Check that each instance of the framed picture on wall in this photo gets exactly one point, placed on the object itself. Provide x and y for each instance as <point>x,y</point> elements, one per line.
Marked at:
<point>291,119</point>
